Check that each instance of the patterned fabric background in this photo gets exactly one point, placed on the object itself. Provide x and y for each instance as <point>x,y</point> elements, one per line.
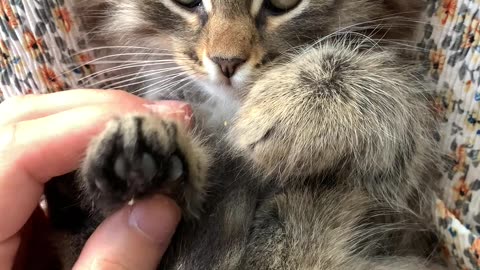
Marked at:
<point>39,48</point>
<point>40,52</point>
<point>451,42</point>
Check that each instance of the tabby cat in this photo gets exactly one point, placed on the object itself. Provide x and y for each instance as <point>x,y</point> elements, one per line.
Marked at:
<point>313,146</point>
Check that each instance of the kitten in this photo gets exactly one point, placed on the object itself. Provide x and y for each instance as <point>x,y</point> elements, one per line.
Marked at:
<point>326,160</point>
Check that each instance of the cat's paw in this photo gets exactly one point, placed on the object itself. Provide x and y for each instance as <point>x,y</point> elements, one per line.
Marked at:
<point>142,155</point>
<point>312,115</point>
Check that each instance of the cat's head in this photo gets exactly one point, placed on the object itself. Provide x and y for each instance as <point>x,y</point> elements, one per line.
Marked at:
<point>225,44</point>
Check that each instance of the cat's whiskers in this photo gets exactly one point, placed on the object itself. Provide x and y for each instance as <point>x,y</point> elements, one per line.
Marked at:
<point>142,82</point>
<point>170,85</point>
<point>103,59</point>
<point>175,84</point>
<point>146,49</point>
<point>129,64</point>
<point>368,25</point>
<point>128,82</point>
<point>170,90</point>
<point>123,68</point>
<point>128,76</point>
<point>91,77</point>
<point>146,61</point>
<point>167,78</point>
<point>397,17</point>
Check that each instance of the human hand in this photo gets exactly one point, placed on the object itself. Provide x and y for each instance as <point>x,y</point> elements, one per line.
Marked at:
<point>46,136</point>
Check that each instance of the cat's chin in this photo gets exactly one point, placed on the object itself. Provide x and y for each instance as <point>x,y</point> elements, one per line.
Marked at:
<point>224,90</point>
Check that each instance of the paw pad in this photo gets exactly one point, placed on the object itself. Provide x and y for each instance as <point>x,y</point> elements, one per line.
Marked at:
<point>144,168</point>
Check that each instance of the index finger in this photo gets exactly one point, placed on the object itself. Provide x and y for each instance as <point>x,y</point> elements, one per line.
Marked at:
<point>32,152</point>
<point>28,107</point>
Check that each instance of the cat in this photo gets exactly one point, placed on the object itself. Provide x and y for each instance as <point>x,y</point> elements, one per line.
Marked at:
<point>314,140</point>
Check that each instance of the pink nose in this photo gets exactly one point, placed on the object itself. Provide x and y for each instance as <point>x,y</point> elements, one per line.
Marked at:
<point>228,65</point>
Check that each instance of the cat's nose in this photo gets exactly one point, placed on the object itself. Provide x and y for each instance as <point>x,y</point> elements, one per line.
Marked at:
<point>228,65</point>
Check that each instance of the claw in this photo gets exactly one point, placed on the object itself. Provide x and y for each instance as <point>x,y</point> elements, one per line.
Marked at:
<point>120,167</point>
<point>176,168</point>
<point>149,167</point>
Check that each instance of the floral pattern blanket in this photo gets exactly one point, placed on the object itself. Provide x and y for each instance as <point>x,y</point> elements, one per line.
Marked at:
<point>39,48</point>
<point>451,44</point>
<point>41,52</point>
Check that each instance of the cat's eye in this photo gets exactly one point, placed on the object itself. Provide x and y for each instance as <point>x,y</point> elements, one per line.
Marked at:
<point>189,3</point>
<point>280,6</point>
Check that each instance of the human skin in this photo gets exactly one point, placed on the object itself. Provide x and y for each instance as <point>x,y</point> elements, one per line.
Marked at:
<point>43,136</point>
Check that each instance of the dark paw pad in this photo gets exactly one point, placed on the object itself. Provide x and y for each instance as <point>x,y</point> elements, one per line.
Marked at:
<point>131,160</point>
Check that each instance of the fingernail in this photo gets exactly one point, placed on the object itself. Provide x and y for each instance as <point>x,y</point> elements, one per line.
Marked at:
<point>173,109</point>
<point>155,218</point>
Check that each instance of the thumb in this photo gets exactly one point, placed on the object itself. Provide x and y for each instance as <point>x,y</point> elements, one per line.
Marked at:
<point>135,237</point>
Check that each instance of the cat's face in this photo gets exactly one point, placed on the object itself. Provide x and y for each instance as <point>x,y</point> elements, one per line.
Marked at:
<point>228,43</point>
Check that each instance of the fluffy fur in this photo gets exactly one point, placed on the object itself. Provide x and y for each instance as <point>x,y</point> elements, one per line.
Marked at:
<point>328,163</point>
